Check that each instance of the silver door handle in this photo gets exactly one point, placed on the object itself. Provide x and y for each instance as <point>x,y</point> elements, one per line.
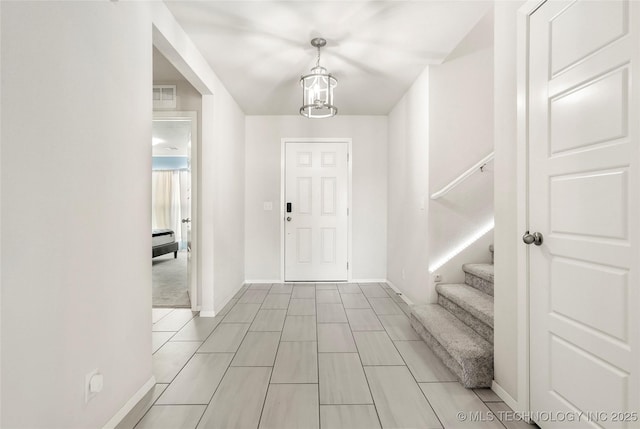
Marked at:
<point>186,220</point>
<point>288,218</point>
<point>535,238</point>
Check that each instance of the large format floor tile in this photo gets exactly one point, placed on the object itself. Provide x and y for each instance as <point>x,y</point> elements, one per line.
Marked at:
<point>385,306</point>
<point>450,399</point>
<point>171,417</point>
<point>327,355</point>
<point>174,321</point>
<point>241,292</point>
<point>399,327</point>
<point>487,395</point>
<point>260,286</point>
<point>198,380</point>
<point>328,297</point>
<point>376,348</point>
<point>299,328</point>
<point>291,406</point>
<point>198,329</point>
<point>336,338</point>
<point>159,313</point>
<point>303,292</point>
<point>281,288</point>
<point>302,307</point>
<point>349,288</point>
<point>276,301</point>
<point>254,296</point>
<point>398,398</point>
<point>228,307</point>
<point>342,379</point>
<point>354,300</point>
<point>331,313</point>
<point>506,415</point>
<point>423,363</point>
<point>373,290</point>
<point>242,313</point>
<point>296,362</point>
<point>269,320</point>
<point>348,417</point>
<point>159,338</point>
<point>226,338</point>
<point>170,359</point>
<point>257,349</point>
<point>363,320</point>
<point>238,401</point>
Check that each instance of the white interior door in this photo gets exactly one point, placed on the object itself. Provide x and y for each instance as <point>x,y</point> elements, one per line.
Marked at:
<point>583,198</point>
<point>316,221</point>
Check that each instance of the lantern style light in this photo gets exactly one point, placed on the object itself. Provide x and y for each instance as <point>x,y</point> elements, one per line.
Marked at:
<point>317,89</point>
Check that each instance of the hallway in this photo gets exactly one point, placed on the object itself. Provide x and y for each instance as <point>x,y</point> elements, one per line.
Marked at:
<point>304,355</point>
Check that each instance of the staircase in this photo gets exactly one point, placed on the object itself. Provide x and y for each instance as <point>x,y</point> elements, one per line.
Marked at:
<point>459,328</point>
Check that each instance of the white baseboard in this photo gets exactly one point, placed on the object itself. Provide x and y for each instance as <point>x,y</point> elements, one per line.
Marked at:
<point>262,281</point>
<point>207,313</point>
<point>508,399</point>
<point>399,292</point>
<point>367,281</point>
<point>122,413</point>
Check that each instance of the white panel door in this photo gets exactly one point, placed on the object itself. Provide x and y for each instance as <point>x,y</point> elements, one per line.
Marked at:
<point>316,228</point>
<point>584,187</point>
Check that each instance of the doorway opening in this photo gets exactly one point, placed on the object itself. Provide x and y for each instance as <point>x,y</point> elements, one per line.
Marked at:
<point>171,209</point>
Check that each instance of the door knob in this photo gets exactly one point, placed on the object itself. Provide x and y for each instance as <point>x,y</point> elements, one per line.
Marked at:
<point>288,218</point>
<point>535,238</point>
<point>187,220</point>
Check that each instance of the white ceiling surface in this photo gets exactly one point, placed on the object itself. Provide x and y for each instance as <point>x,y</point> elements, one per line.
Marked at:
<point>171,137</point>
<point>376,49</point>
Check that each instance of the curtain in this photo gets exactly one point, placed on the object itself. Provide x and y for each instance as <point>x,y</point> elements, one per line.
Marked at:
<point>170,202</point>
<point>161,186</point>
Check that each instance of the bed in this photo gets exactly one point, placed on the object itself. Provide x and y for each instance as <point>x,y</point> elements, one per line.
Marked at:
<point>163,241</point>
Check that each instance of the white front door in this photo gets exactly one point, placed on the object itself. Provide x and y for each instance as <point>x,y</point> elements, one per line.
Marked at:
<point>316,221</point>
<point>584,118</point>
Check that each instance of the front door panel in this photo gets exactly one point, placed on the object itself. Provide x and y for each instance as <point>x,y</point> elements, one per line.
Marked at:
<point>316,228</point>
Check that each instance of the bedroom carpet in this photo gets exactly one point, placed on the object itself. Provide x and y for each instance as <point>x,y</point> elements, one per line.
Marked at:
<point>170,281</point>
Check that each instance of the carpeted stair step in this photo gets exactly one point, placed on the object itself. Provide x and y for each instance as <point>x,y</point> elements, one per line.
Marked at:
<point>479,276</point>
<point>462,350</point>
<point>471,306</point>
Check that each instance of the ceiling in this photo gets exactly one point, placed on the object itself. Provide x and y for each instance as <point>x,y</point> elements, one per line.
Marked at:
<point>376,49</point>
<point>171,137</point>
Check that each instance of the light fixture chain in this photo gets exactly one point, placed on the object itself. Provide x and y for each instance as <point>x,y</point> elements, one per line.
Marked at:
<point>318,59</point>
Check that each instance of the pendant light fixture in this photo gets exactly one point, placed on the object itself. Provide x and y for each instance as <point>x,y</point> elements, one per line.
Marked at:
<point>317,89</point>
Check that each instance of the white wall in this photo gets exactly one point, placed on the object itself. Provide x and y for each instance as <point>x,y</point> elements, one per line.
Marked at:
<point>507,236</point>
<point>408,189</point>
<point>369,192</point>
<point>228,200</point>
<point>76,278</point>
<point>441,127</point>
<point>461,134</point>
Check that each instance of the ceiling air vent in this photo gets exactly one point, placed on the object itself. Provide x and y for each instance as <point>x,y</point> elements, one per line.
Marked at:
<point>164,96</point>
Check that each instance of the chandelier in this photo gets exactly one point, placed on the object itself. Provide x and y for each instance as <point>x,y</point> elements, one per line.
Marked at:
<point>317,89</point>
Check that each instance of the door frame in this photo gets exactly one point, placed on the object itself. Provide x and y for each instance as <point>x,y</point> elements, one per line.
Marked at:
<point>192,115</point>
<point>523,401</point>
<point>283,165</point>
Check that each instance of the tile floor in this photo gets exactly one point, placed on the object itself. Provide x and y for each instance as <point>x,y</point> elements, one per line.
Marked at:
<point>303,356</point>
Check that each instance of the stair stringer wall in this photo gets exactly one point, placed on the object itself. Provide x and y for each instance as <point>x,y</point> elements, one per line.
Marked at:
<point>451,271</point>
